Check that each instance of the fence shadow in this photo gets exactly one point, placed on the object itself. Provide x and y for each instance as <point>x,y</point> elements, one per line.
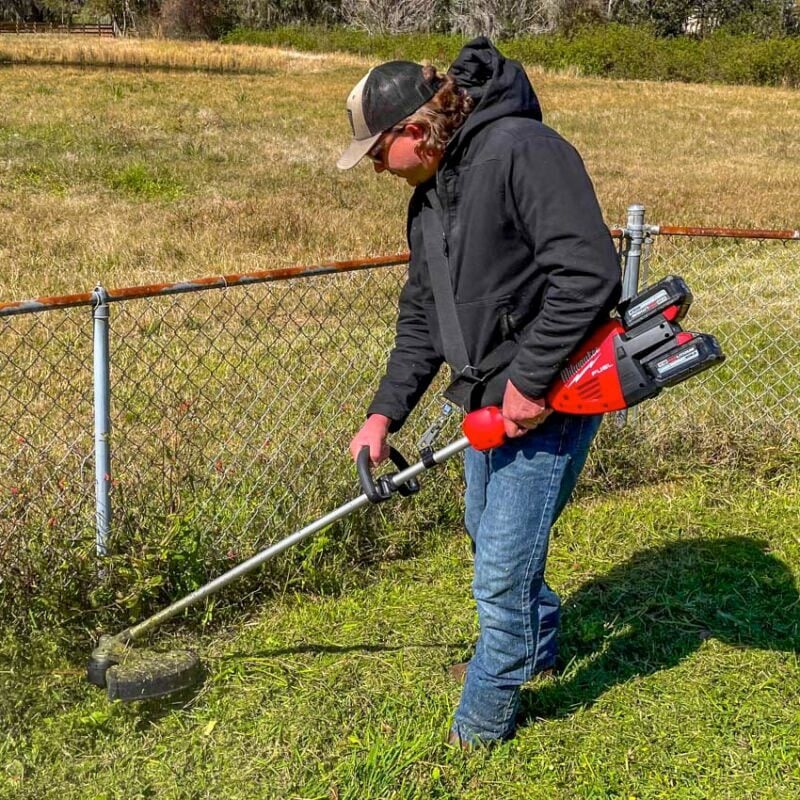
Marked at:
<point>657,608</point>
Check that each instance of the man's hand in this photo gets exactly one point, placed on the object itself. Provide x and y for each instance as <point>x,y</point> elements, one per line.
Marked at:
<point>373,433</point>
<point>521,413</point>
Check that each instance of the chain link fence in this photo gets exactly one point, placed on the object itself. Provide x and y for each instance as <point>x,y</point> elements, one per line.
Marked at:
<point>238,404</point>
<point>46,456</point>
<point>232,403</point>
<point>231,409</point>
<point>746,289</point>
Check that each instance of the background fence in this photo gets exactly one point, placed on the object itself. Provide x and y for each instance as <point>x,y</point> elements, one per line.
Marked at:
<point>746,287</point>
<point>233,401</point>
<point>80,29</point>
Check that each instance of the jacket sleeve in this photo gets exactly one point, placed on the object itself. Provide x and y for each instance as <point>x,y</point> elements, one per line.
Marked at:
<point>413,362</point>
<point>556,208</point>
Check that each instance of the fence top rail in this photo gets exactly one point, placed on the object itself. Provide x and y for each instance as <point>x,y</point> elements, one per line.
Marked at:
<point>732,233</point>
<point>196,285</point>
<point>212,282</point>
<point>265,276</point>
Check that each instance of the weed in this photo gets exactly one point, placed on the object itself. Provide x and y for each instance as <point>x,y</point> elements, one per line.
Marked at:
<point>139,181</point>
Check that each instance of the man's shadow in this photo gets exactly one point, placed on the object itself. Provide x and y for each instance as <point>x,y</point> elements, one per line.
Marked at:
<point>658,607</point>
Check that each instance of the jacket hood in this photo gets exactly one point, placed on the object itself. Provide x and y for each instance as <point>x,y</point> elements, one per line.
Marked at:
<point>498,85</point>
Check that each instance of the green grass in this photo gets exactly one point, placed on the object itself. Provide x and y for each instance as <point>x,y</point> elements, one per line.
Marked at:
<point>139,181</point>
<point>680,632</point>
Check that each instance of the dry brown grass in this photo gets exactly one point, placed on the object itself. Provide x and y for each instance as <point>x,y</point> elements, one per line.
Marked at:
<point>161,53</point>
<point>129,176</point>
<point>694,154</point>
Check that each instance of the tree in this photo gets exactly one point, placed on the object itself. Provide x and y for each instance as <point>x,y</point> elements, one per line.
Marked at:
<point>207,19</point>
<point>128,15</point>
<point>701,17</point>
<point>29,10</point>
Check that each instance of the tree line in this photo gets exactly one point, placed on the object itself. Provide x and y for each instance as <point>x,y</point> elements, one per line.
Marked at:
<point>497,18</point>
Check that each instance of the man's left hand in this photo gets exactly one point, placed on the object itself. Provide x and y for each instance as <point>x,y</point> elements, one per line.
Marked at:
<point>521,413</point>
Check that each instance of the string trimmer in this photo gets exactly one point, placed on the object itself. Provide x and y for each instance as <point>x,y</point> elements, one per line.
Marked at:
<point>627,360</point>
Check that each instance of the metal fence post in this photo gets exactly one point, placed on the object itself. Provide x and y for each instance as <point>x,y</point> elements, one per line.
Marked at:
<point>102,419</point>
<point>634,237</point>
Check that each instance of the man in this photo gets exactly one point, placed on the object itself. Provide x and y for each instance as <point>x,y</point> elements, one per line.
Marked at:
<point>503,208</point>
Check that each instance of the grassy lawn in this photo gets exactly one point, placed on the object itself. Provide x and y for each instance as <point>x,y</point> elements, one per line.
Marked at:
<point>680,633</point>
<point>681,607</point>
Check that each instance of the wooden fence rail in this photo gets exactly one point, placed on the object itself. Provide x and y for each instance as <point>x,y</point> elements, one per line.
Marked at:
<point>95,29</point>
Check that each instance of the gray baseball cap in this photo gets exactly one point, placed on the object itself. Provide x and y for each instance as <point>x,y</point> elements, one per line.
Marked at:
<point>386,95</point>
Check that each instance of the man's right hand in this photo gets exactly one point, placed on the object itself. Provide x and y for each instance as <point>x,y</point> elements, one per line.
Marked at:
<point>373,433</point>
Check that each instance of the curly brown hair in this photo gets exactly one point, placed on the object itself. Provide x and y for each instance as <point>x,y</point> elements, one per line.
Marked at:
<point>444,113</point>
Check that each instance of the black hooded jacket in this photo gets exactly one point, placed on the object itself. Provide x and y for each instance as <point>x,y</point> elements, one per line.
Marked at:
<point>529,253</point>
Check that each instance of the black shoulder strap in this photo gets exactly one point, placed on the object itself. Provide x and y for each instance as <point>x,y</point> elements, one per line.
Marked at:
<point>455,350</point>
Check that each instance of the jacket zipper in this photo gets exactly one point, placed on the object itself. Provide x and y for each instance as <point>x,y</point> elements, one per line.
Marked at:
<point>444,205</point>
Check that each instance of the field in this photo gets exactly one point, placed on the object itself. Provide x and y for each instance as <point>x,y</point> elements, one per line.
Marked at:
<point>681,629</point>
<point>138,176</point>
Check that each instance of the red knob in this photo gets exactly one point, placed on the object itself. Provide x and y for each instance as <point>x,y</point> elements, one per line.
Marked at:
<point>484,428</point>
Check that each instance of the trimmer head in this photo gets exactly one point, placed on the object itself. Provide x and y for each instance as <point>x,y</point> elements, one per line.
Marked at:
<point>128,674</point>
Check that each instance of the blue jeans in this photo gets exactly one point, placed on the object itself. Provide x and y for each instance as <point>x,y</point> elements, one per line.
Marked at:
<point>514,495</point>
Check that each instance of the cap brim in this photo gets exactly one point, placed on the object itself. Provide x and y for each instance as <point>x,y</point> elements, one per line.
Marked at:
<point>357,149</point>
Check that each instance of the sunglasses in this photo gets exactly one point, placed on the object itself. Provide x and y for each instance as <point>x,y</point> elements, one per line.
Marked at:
<point>377,152</point>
